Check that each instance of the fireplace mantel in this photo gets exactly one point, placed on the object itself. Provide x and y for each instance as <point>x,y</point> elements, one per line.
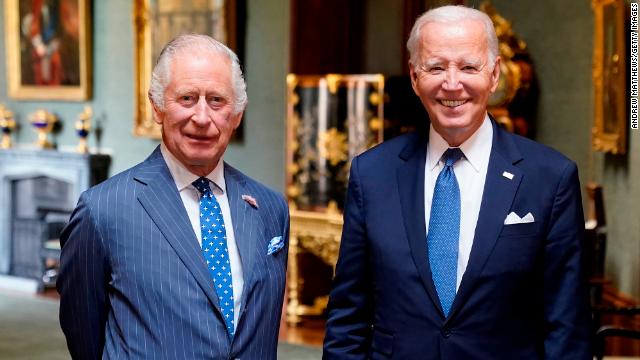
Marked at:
<point>79,170</point>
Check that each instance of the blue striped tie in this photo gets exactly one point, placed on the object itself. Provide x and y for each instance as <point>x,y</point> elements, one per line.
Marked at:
<point>444,231</point>
<point>215,251</point>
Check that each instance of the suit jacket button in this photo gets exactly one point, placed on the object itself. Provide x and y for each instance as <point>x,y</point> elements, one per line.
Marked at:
<point>446,332</point>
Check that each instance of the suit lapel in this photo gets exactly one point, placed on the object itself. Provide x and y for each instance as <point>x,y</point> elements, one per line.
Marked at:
<point>162,202</point>
<point>499,192</point>
<point>410,177</point>
<point>247,226</point>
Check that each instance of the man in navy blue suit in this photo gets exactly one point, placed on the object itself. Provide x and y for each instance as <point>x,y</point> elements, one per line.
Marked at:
<point>463,243</point>
<point>181,256</point>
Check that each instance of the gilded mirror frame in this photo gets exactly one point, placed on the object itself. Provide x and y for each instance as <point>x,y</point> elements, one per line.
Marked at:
<point>144,49</point>
<point>609,133</point>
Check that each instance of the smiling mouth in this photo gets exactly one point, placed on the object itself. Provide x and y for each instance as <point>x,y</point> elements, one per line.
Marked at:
<point>199,137</point>
<point>452,103</point>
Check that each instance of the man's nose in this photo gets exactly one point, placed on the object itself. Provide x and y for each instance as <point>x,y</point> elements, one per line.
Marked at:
<point>201,111</point>
<point>451,80</point>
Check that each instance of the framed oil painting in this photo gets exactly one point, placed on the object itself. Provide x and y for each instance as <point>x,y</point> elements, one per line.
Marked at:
<point>48,47</point>
<point>156,22</point>
<point>609,77</point>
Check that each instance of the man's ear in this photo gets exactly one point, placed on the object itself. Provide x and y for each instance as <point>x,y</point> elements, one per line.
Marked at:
<point>157,114</point>
<point>236,119</point>
<point>495,74</point>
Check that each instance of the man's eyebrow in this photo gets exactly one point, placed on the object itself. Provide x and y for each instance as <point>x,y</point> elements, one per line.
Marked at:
<point>192,90</point>
<point>431,62</point>
<point>217,93</point>
<point>473,62</point>
<point>184,90</point>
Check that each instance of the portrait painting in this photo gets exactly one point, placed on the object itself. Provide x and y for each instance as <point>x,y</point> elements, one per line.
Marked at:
<point>48,49</point>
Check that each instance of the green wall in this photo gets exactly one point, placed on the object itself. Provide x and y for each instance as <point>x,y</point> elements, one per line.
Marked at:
<point>383,26</point>
<point>560,38</point>
<point>260,155</point>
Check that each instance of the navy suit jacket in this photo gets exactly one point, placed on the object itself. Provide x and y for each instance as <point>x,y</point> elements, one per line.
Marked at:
<point>133,281</point>
<point>522,295</point>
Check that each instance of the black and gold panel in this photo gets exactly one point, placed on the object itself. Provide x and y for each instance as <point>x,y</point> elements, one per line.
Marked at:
<point>331,119</point>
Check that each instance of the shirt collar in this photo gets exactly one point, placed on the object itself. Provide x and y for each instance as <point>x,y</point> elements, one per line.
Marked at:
<point>475,149</point>
<point>183,177</point>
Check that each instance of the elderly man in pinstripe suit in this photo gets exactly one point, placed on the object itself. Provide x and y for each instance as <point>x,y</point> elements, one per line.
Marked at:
<point>181,256</point>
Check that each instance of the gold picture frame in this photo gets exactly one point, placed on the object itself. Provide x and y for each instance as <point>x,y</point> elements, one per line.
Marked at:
<point>48,49</point>
<point>609,77</point>
<point>156,22</point>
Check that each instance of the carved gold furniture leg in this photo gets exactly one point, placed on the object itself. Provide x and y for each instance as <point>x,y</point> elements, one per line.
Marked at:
<point>319,234</point>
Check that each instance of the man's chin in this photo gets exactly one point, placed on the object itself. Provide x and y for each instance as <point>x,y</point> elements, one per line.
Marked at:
<point>459,120</point>
<point>199,160</point>
<point>454,122</point>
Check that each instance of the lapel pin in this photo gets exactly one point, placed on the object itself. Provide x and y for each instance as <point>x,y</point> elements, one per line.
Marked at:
<point>508,175</point>
<point>250,200</point>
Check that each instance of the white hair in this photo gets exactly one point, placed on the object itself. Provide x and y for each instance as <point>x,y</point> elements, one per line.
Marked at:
<point>452,14</point>
<point>196,42</point>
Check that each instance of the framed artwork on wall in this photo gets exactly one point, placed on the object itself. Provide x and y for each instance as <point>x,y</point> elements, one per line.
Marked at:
<point>48,49</point>
<point>156,22</point>
<point>609,77</point>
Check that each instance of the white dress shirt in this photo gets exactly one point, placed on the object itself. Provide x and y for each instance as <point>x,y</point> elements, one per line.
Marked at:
<point>191,200</point>
<point>471,172</point>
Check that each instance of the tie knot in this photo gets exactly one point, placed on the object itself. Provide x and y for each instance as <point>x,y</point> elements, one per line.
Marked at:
<point>451,156</point>
<point>202,184</point>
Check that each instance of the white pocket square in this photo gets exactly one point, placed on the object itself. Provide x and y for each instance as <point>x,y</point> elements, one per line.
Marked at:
<point>513,218</point>
<point>275,245</point>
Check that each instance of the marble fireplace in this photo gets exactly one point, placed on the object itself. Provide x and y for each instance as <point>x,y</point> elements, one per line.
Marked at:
<point>39,188</point>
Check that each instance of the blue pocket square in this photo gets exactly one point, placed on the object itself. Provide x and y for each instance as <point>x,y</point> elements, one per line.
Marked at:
<point>275,245</point>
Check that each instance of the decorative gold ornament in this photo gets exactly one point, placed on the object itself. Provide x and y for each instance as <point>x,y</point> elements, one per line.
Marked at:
<point>510,77</point>
<point>295,99</point>
<point>332,82</point>
<point>292,80</point>
<point>83,125</point>
<point>7,125</point>
<point>293,168</point>
<point>43,123</point>
<point>375,124</point>
<point>374,98</point>
<point>333,146</point>
<point>293,191</point>
<point>317,233</point>
<point>517,87</point>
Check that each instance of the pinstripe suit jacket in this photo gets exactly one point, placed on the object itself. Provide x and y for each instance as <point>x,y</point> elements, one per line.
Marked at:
<point>133,282</point>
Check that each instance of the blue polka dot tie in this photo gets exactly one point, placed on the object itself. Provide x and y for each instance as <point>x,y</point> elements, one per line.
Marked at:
<point>444,230</point>
<point>215,251</point>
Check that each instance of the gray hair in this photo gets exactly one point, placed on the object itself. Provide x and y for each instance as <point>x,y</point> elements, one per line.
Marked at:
<point>162,70</point>
<point>451,14</point>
